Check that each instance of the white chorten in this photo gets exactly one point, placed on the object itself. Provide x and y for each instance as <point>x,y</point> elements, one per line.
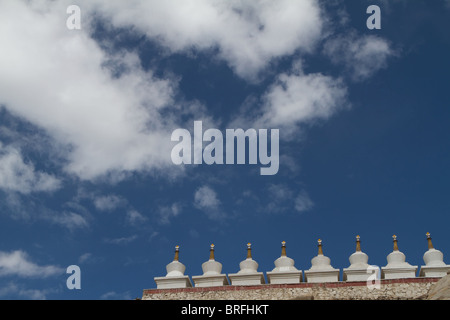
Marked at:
<point>434,262</point>
<point>359,269</point>
<point>175,277</point>
<point>321,269</point>
<point>397,267</point>
<point>212,276</point>
<point>248,273</point>
<point>284,271</point>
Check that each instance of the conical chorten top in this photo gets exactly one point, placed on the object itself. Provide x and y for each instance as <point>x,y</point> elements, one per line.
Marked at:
<point>248,265</point>
<point>319,245</point>
<point>211,267</point>
<point>284,263</point>
<point>433,257</point>
<point>320,262</point>
<point>358,259</point>
<point>175,268</point>
<point>396,258</point>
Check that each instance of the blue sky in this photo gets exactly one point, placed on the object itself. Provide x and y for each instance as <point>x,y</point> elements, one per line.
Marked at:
<point>86,118</point>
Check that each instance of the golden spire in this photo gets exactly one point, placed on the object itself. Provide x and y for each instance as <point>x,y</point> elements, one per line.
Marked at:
<point>395,242</point>
<point>211,252</point>
<point>249,250</point>
<point>358,244</point>
<point>177,249</point>
<point>283,248</point>
<point>320,247</point>
<point>430,244</point>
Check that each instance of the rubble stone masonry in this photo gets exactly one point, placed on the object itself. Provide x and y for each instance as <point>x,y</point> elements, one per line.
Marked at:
<point>398,289</point>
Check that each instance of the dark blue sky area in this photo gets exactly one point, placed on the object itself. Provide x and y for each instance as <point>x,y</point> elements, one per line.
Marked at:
<point>377,166</point>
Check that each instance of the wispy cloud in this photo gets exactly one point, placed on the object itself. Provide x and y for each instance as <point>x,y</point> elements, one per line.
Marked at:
<point>296,98</point>
<point>19,290</point>
<point>118,114</point>
<point>206,199</point>
<point>112,295</point>
<point>18,176</point>
<point>127,112</point>
<point>18,263</point>
<point>248,35</point>
<point>361,56</point>
<point>134,217</point>
<point>67,219</point>
<point>122,240</point>
<point>303,202</point>
<point>85,257</point>
<point>89,258</point>
<point>279,198</point>
<point>166,213</point>
<point>109,202</point>
<point>283,198</point>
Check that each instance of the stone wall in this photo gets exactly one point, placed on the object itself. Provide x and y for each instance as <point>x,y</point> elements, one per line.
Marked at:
<point>398,289</point>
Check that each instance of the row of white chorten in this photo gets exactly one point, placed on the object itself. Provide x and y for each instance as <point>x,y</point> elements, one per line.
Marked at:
<point>321,270</point>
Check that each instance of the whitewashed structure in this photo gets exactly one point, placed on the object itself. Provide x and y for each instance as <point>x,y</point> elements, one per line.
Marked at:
<point>321,269</point>
<point>212,276</point>
<point>359,269</point>
<point>175,277</point>
<point>284,271</point>
<point>434,262</point>
<point>397,267</point>
<point>248,273</point>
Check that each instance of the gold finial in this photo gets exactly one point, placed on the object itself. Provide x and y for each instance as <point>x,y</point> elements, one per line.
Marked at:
<point>320,247</point>
<point>283,248</point>
<point>395,242</point>
<point>430,244</point>
<point>358,244</point>
<point>177,249</point>
<point>249,250</point>
<point>211,252</point>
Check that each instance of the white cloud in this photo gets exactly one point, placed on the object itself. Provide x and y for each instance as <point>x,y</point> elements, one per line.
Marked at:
<point>279,192</point>
<point>168,212</point>
<point>362,56</point>
<point>113,124</point>
<point>73,216</point>
<point>283,198</point>
<point>13,288</point>
<point>110,124</point>
<point>248,35</point>
<point>109,202</point>
<point>16,175</point>
<point>205,199</point>
<point>112,295</point>
<point>89,258</point>
<point>133,217</point>
<point>297,98</point>
<point>122,240</point>
<point>303,202</point>
<point>17,263</point>
<point>69,220</point>
<point>85,257</point>
<point>279,198</point>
